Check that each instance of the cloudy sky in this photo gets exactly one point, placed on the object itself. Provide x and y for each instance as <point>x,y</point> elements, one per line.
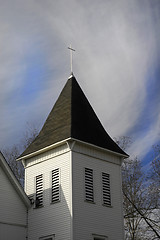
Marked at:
<point>117,64</point>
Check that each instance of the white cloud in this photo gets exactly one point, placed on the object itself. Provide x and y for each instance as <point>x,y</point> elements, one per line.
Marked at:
<point>116,45</point>
<point>144,143</point>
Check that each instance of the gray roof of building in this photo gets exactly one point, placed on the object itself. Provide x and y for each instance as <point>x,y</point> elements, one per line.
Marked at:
<point>73,117</point>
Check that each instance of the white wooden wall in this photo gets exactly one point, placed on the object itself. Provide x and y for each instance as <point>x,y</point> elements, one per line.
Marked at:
<point>93,218</point>
<point>13,212</point>
<point>72,218</point>
<point>53,218</point>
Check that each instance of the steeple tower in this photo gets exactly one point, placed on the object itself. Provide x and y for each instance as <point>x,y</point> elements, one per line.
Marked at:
<point>73,174</point>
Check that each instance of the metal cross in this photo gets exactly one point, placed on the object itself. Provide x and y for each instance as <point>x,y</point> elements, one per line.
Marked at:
<point>71,51</point>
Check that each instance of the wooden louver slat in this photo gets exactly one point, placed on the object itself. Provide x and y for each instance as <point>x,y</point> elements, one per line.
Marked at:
<point>89,195</point>
<point>39,190</point>
<point>55,186</point>
<point>106,189</point>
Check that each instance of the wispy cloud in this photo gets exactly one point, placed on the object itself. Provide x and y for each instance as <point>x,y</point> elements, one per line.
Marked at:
<point>117,49</point>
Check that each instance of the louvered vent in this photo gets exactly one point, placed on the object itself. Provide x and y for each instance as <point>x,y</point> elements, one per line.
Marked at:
<point>39,190</point>
<point>106,189</point>
<point>55,185</point>
<point>89,185</point>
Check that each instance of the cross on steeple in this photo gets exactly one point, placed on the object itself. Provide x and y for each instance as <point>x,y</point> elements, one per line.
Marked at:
<point>71,57</point>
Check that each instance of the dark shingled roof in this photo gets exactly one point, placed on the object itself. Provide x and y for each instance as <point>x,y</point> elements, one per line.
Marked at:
<point>72,116</point>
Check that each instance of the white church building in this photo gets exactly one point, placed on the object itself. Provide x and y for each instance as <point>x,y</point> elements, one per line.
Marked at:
<point>72,178</point>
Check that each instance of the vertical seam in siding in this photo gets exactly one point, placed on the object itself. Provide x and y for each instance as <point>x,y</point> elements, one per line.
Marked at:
<point>71,183</point>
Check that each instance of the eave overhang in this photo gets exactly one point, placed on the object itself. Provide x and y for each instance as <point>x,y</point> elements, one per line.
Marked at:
<point>52,146</point>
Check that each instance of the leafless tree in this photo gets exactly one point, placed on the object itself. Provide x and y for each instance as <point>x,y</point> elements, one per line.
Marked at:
<point>155,168</point>
<point>123,142</point>
<point>140,212</point>
<point>154,192</point>
<point>29,135</point>
<point>134,193</point>
<point>13,152</point>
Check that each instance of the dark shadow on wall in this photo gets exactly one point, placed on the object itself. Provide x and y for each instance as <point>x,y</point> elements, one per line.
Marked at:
<point>51,218</point>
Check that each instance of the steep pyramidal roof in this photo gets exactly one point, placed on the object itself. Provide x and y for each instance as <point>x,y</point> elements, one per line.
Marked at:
<point>72,117</point>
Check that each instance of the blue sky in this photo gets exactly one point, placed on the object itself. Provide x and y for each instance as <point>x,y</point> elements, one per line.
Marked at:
<point>117,64</point>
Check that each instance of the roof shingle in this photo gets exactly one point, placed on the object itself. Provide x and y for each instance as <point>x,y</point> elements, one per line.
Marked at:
<point>72,117</point>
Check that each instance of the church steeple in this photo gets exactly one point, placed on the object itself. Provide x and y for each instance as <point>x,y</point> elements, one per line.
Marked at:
<point>73,174</point>
<point>73,117</point>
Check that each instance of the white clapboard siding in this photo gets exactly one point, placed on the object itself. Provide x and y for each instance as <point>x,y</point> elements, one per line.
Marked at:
<point>53,217</point>
<point>96,218</point>
<point>71,217</point>
<point>13,212</point>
